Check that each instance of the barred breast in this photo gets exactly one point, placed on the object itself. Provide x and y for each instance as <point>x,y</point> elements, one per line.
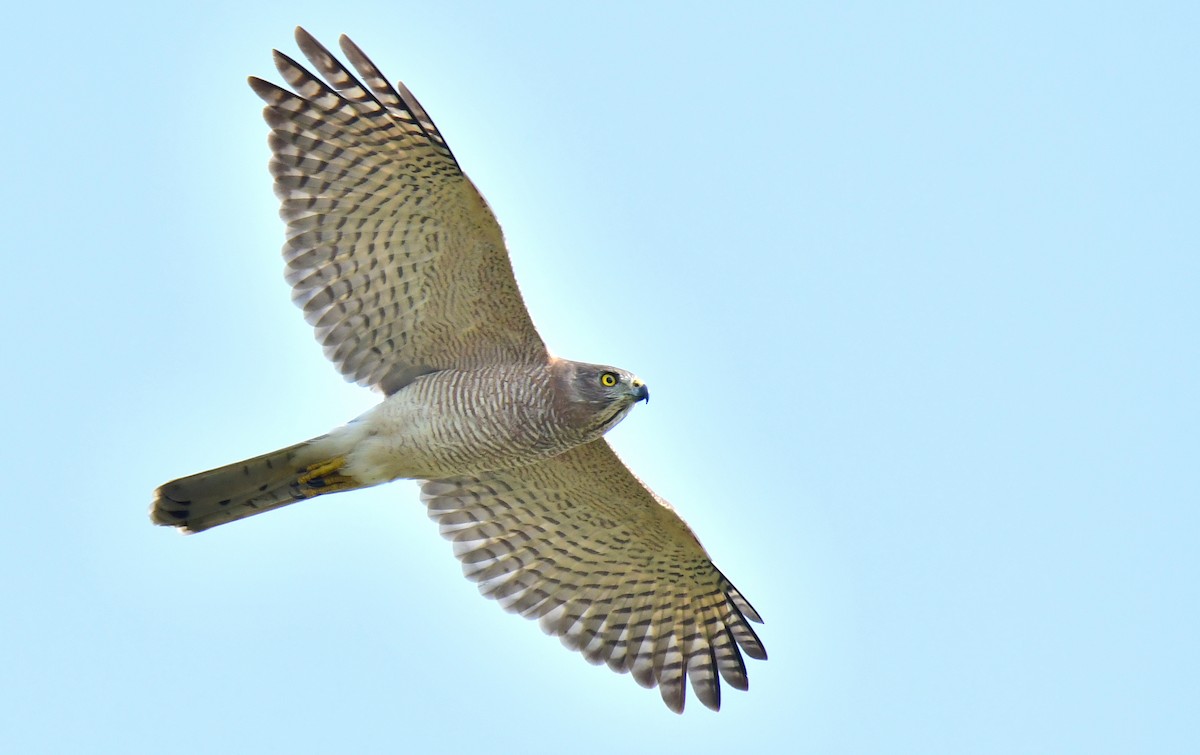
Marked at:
<point>455,422</point>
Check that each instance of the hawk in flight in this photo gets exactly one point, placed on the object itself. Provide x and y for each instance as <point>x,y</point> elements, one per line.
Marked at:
<point>402,269</point>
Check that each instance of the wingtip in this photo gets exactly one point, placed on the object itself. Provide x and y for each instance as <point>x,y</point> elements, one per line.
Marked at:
<point>709,695</point>
<point>675,701</point>
<point>260,86</point>
<point>349,48</point>
<point>311,46</point>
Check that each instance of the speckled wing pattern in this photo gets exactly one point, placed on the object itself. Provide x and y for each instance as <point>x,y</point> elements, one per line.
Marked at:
<point>402,269</point>
<point>393,254</point>
<point>579,543</point>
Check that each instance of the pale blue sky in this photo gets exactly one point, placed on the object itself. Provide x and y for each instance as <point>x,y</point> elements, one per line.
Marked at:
<point>915,288</point>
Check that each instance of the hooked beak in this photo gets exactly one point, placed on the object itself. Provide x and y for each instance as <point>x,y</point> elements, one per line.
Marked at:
<point>640,392</point>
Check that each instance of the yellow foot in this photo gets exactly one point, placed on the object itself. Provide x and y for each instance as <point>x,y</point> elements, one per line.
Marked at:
<point>321,469</point>
<point>322,478</point>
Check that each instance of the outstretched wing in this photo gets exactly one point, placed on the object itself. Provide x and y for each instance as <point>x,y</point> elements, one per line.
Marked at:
<point>395,257</point>
<point>583,546</point>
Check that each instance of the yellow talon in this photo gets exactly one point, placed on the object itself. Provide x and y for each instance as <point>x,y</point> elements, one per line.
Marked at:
<point>333,484</point>
<point>323,478</point>
<point>322,469</point>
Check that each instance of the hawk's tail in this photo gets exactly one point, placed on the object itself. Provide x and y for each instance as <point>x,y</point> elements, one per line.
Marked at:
<point>253,486</point>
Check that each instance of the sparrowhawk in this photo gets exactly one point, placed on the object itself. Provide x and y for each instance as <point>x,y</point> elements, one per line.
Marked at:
<point>400,266</point>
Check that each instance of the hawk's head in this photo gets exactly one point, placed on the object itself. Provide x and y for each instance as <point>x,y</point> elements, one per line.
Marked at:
<point>595,397</point>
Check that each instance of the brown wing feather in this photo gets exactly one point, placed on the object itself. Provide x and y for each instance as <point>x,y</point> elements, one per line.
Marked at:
<point>393,254</point>
<point>583,546</point>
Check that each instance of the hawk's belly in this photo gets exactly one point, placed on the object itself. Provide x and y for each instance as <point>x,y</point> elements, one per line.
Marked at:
<point>457,423</point>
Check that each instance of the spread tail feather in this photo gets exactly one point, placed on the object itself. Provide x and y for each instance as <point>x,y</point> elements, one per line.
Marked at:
<point>253,486</point>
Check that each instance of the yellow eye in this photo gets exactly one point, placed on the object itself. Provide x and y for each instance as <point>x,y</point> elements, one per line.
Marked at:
<point>608,379</point>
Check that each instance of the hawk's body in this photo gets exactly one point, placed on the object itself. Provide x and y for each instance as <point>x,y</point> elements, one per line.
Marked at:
<point>401,267</point>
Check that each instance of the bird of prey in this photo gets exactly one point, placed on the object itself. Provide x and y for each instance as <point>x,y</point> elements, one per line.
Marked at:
<point>401,267</point>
